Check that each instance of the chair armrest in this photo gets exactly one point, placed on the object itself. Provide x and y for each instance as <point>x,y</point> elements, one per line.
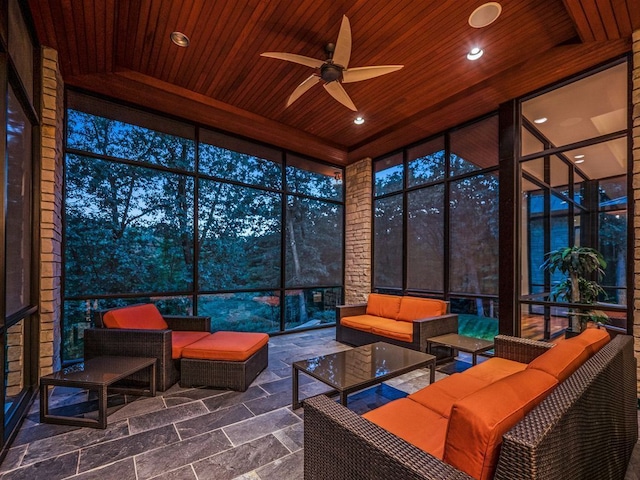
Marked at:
<point>518,349</point>
<point>188,323</point>
<point>341,445</point>
<point>350,310</point>
<point>126,342</point>
<point>424,328</point>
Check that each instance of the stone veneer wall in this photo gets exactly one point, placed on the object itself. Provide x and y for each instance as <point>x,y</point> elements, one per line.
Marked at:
<point>51,181</point>
<point>357,275</point>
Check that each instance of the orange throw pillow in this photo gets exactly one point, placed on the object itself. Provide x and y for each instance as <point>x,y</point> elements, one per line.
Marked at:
<point>381,305</point>
<point>562,360</point>
<point>412,308</point>
<point>141,317</point>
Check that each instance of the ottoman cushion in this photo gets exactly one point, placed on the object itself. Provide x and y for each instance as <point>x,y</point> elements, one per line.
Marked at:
<point>180,339</point>
<point>228,346</point>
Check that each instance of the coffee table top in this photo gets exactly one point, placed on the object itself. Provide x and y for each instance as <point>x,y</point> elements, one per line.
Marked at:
<point>99,371</point>
<point>462,342</point>
<point>361,365</point>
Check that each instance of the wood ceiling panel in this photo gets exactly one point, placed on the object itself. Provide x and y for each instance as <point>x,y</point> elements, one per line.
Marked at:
<point>602,20</point>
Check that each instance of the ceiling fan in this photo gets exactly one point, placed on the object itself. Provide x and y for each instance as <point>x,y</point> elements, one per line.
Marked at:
<point>334,71</point>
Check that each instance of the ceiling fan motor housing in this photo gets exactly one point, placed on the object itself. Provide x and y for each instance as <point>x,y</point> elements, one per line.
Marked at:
<point>330,72</point>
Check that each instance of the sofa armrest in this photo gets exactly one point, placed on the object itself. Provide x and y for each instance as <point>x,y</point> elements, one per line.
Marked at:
<point>127,342</point>
<point>424,328</point>
<point>188,323</point>
<point>341,445</point>
<point>518,349</point>
<point>350,310</point>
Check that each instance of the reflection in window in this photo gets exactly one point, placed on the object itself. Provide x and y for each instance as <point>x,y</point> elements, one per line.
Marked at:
<point>474,147</point>
<point>314,179</point>
<point>426,162</point>
<point>388,174</point>
<point>242,311</point>
<point>310,307</point>
<point>387,255</point>
<point>14,365</point>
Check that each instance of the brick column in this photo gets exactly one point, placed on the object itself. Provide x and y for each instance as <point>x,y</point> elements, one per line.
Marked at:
<point>357,252</point>
<point>51,157</point>
<point>635,65</point>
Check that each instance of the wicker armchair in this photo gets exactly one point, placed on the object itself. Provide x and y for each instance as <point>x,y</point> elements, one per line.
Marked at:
<point>101,341</point>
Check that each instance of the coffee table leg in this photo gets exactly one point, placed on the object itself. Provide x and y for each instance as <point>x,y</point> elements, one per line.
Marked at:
<point>102,406</point>
<point>343,398</point>
<point>44,401</point>
<point>295,403</point>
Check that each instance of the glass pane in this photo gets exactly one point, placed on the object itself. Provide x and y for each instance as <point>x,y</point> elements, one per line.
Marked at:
<point>535,168</point>
<point>477,317</point>
<point>234,159</point>
<point>530,144</point>
<point>602,160</point>
<point>20,47</point>
<point>242,311</point>
<point>533,247</point>
<point>314,179</point>
<point>474,147</point>
<point>388,173</point>
<point>425,238</point>
<point>128,229</point>
<point>114,138</point>
<point>238,236</point>
<point>314,242</point>
<point>474,235</point>
<point>535,322</point>
<point>387,253</point>
<point>559,174</point>
<point>612,236</point>
<point>426,162</point>
<point>14,381</point>
<point>559,229</point>
<point>18,214</point>
<point>310,307</point>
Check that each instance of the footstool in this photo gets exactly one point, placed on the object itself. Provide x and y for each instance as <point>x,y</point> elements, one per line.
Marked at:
<point>224,360</point>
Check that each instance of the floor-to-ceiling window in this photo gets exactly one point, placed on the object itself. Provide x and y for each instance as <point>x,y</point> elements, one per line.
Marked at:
<point>436,223</point>
<point>195,221</point>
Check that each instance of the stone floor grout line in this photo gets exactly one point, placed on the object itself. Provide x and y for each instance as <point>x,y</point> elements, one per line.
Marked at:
<point>175,427</point>
<point>193,469</point>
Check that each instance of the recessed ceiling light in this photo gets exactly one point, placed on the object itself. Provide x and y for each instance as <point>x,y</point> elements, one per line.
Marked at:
<point>485,14</point>
<point>358,120</point>
<point>540,120</point>
<point>578,156</point>
<point>475,53</point>
<point>580,161</point>
<point>179,39</point>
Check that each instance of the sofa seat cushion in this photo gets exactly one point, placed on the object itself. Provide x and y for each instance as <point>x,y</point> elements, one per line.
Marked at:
<point>141,317</point>
<point>181,339</point>
<point>479,420</point>
<point>561,360</point>
<point>380,305</point>
<point>494,369</point>
<point>441,395</point>
<point>402,331</point>
<point>363,322</point>
<point>412,422</point>
<point>227,346</point>
<point>593,339</point>
<point>413,308</point>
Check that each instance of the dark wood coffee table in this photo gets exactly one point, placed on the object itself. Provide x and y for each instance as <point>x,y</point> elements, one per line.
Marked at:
<point>95,374</point>
<point>358,368</point>
<point>471,345</point>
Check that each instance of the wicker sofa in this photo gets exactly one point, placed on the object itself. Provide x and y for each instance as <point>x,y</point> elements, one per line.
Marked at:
<point>401,320</point>
<point>586,427</point>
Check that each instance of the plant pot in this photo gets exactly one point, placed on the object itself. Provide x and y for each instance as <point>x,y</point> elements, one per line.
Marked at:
<point>569,333</point>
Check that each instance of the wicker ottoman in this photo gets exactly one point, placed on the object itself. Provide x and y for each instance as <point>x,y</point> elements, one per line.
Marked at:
<point>224,360</point>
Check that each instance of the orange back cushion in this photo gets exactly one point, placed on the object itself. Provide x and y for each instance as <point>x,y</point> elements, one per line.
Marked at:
<point>562,360</point>
<point>144,317</point>
<point>479,420</point>
<point>412,308</point>
<point>593,338</point>
<point>381,305</point>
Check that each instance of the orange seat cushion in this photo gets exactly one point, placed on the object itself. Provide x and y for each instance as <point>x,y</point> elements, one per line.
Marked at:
<point>412,308</point>
<point>143,317</point>
<point>363,322</point>
<point>494,369</point>
<point>441,395</point>
<point>393,329</point>
<point>180,339</point>
<point>412,422</point>
<point>562,360</point>
<point>479,420</point>
<point>386,306</point>
<point>593,339</point>
<point>229,346</point>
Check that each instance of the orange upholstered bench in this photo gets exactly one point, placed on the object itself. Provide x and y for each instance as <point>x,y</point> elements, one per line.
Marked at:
<point>224,360</point>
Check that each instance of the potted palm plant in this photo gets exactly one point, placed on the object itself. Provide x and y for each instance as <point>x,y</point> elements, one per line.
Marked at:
<point>583,268</point>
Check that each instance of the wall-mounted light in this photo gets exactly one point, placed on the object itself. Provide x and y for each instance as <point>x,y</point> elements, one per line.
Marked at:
<point>179,39</point>
<point>475,53</point>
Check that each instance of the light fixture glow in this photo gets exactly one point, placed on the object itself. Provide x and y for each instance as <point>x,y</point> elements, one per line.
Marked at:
<point>540,120</point>
<point>475,53</point>
<point>358,120</point>
<point>580,161</point>
<point>578,156</point>
<point>179,39</point>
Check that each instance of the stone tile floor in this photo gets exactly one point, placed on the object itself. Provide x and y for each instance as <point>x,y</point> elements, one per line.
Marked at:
<point>197,433</point>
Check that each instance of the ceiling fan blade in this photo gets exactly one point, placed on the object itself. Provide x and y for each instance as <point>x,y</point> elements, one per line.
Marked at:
<point>337,91</point>
<point>302,88</point>
<point>342,52</point>
<point>292,57</point>
<point>365,73</point>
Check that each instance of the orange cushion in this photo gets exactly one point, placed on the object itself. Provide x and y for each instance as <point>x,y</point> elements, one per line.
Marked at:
<point>412,308</point>
<point>561,360</point>
<point>441,395</point>
<point>412,422</point>
<point>180,339</point>
<point>145,317</point>
<point>479,420</point>
<point>386,306</point>
<point>393,329</point>
<point>593,339</point>
<point>494,369</point>
<point>229,346</point>
<point>363,322</point>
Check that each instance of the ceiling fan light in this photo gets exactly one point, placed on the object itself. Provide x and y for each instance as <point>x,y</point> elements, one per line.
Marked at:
<point>485,14</point>
<point>179,39</point>
<point>475,53</point>
<point>358,120</point>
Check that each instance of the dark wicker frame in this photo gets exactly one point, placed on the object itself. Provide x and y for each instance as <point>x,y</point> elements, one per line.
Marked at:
<point>586,428</point>
<point>223,374</point>
<point>422,329</point>
<point>101,341</point>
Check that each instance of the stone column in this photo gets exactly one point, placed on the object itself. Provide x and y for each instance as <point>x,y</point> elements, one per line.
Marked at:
<point>357,252</point>
<point>635,104</point>
<point>51,178</point>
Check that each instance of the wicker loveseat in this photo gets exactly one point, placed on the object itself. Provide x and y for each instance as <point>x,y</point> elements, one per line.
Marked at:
<point>401,320</point>
<point>583,427</point>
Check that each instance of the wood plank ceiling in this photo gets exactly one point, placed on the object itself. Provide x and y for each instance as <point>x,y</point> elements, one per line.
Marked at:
<point>121,49</point>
